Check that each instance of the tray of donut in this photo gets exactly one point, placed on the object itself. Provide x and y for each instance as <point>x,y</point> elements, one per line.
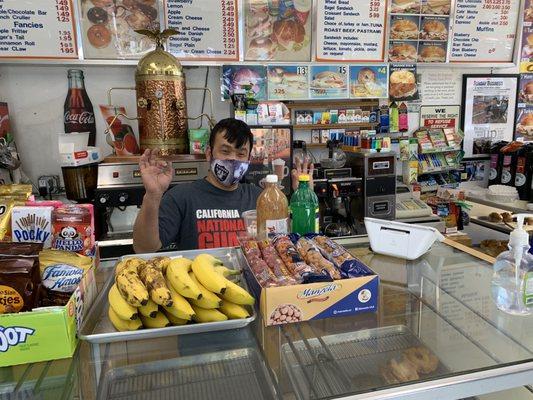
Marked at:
<point>357,361</point>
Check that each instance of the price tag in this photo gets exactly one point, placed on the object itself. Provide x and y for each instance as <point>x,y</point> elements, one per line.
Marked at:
<point>38,29</point>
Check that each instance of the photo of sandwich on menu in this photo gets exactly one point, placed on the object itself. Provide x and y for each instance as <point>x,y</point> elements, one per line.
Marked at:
<point>287,82</point>
<point>434,28</point>
<point>277,30</point>
<point>436,7</point>
<point>403,51</point>
<point>432,52</point>
<point>368,81</point>
<point>404,27</point>
<point>405,7</point>
<point>402,82</point>
<point>328,81</point>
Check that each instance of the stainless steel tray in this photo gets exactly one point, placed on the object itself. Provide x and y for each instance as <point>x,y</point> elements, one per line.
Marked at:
<point>98,329</point>
<point>236,374</point>
<point>334,365</point>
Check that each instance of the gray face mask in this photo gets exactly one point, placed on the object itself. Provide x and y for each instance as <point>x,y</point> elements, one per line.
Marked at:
<point>229,172</point>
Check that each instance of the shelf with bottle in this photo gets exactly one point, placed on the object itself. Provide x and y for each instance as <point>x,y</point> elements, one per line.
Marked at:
<point>335,126</point>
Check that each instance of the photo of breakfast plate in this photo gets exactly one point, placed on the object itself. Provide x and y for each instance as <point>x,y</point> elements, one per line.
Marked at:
<point>108,27</point>
<point>328,81</point>
<point>277,30</point>
<point>404,27</point>
<point>288,82</point>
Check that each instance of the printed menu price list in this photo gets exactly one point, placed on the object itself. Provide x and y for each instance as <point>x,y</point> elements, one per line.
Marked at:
<point>37,29</point>
<point>484,30</point>
<point>207,29</point>
<point>351,30</point>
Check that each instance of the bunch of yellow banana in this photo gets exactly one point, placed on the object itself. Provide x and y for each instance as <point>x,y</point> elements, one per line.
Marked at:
<point>161,292</point>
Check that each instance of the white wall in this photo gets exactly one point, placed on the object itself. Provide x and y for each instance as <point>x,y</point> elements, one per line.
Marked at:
<point>36,95</point>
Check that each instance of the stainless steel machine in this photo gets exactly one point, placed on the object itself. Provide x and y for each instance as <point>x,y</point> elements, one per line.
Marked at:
<point>378,172</point>
<point>120,191</point>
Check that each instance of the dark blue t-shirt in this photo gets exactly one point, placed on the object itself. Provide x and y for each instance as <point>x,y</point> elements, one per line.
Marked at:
<point>199,215</point>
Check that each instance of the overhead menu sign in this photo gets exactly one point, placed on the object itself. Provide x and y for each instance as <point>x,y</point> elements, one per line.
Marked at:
<point>484,30</point>
<point>207,29</point>
<point>37,29</point>
<point>351,30</point>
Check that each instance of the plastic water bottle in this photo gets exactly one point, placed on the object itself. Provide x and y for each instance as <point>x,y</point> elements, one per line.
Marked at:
<point>304,208</point>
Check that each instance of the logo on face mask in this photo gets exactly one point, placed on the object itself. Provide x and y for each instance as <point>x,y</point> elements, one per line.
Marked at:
<point>221,172</point>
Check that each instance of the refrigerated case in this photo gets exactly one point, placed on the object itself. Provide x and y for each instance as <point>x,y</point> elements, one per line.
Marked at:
<point>271,154</point>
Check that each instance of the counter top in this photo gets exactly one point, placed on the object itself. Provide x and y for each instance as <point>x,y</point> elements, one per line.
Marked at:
<point>441,302</point>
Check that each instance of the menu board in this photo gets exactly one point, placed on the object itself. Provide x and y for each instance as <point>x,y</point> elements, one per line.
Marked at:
<point>351,30</point>
<point>108,28</point>
<point>484,31</point>
<point>37,29</point>
<point>277,30</point>
<point>207,29</point>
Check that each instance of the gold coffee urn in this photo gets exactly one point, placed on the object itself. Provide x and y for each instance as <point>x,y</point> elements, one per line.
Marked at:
<point>161,99</point>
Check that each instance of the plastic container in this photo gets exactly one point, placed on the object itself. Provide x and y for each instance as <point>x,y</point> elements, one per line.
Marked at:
<point>304,208</point>
<point>512,279</point>
<point>250,221</point>
<point>401,240</point>
<point>272,210</point>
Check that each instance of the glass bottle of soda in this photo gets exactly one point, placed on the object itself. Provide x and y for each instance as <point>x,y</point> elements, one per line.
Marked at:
<point>304,208</point>
<point>78,111</point>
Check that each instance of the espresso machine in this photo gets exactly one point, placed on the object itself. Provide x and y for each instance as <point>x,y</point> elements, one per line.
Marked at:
<point>120,191</point>
<point>378,173</point>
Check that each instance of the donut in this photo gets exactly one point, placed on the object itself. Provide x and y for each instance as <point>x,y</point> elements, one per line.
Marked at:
<point>423,359</point>
<point>97,15</point>
<point>102,3</point>
<point>404,370</point>
<point>388,376</point>
<point>99,36</point>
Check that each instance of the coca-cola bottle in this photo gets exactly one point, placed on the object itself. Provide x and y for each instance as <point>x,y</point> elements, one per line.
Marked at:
<point>79,113</point>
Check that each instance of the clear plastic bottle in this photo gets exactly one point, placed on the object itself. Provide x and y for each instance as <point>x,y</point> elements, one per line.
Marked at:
<point>272,210</point>
<point>304,208</point>
<point>512,280</point>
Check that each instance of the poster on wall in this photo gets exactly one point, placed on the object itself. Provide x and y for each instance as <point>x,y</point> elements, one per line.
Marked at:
<point>488,111</point>
<point>419,31</point>
<point>240,77</point>
<point>277,30</point>
<point>484,31</point>
<point>351,30</point>
<point>207,29</point>
<point>38,29</point>
<point>439,86</point>
<point>328,82</point>
<point>271,154</point>
<point>369,81</point>
<point>108,28</point>
<point>288,82</point>
<point>402,82</point>
<point>435,117</point>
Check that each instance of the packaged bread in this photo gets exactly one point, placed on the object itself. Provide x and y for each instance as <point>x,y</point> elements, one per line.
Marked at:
<point>259,267</point>
<point>276,264</point>
<point>61,273</point>
<point>291,258</point>
<point>349,266</point>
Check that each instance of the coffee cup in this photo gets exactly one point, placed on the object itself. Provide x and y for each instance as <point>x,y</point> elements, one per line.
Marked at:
<point>280,169</point>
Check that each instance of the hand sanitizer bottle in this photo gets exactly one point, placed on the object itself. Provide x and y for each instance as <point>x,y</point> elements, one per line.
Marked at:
<point>512,280</point>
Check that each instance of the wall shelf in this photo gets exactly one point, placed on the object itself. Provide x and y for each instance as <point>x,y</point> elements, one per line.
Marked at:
<point>334,126</point>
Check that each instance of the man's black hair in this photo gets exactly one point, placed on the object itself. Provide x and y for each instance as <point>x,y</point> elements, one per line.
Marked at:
<point>235,131</point>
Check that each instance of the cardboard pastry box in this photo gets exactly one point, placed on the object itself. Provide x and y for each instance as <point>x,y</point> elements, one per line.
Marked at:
<point>312,301</point>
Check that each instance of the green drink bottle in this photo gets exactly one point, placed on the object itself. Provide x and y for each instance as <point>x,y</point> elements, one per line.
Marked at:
<point>304,208</point>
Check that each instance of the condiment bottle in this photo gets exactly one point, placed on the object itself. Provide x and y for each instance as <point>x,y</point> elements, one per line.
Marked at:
<point>272,210</point>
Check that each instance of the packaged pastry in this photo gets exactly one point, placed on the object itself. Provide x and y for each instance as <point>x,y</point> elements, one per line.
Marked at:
<point>275,263</point>
<point>19,280</point>
<point>32,224</point>
<point>349,266</point>
<point>291,258</point>
<point>72,229</point>
<point>259,267</point>
<point>61,273</point>
<point>312,256</point>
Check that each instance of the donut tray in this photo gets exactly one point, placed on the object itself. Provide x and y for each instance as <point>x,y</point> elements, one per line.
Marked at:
<point>236,374</point>
<point>330,366</point>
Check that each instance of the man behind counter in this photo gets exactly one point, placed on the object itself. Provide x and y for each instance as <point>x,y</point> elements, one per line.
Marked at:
<point>205,213</point>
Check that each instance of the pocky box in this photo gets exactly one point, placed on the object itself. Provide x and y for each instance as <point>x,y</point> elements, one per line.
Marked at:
<point>32,224</point>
